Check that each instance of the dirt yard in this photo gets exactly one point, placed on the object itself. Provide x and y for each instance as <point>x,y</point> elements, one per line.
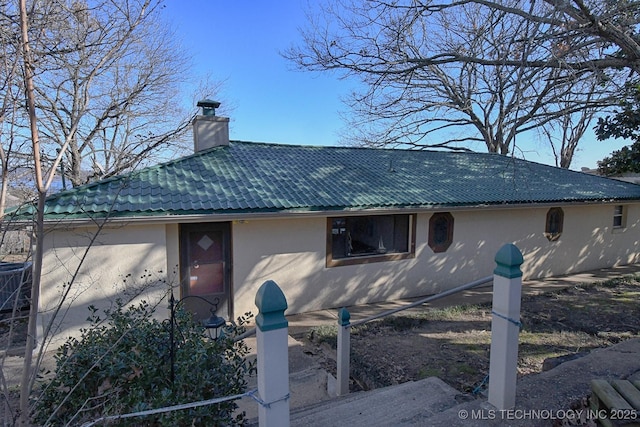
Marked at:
<point>453,343</point>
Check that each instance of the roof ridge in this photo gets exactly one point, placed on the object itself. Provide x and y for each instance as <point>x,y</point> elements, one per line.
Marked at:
<point>356,147</point>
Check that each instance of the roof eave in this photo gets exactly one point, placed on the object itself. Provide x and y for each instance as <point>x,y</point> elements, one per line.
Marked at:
<point>309,213</point>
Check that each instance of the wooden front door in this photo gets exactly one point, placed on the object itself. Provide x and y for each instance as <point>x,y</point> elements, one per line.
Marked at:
<point>205,269</point>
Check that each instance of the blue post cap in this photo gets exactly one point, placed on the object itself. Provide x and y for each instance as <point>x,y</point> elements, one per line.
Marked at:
<point>343,317</point>
<point>271,304</point>
<point>508,260</point>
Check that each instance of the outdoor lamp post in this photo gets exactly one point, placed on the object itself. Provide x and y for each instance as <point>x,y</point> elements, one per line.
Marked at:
<point>214,324</point>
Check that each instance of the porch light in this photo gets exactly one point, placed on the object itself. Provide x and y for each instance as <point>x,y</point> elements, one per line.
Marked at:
<point>214,325</point>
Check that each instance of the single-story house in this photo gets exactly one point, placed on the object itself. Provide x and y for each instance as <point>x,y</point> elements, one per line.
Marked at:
<point>333,226</point>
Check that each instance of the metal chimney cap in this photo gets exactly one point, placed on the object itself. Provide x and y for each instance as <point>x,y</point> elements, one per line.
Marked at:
<point>208,107</point>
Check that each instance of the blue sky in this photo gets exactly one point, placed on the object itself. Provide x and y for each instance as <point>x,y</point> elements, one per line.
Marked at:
<point>238,42</point>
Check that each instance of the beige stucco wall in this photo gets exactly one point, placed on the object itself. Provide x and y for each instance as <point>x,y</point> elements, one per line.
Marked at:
<point>127,262</point>
<point>292,252</point>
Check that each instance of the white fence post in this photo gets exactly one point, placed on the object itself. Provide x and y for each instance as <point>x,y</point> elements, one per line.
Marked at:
<point>273,356</point>
<point>344,351</point>
<point>505,327</point>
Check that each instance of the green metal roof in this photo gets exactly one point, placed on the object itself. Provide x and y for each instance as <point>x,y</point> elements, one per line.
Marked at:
<point>249,177</point>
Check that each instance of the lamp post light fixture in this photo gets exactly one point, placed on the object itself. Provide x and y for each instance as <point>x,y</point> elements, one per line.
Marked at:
<point>214,324</point>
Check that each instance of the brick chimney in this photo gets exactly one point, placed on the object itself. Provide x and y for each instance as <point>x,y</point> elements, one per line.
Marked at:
<point>209,130</point>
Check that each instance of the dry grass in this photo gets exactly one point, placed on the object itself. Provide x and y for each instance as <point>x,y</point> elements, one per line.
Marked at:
<point>453,343</point>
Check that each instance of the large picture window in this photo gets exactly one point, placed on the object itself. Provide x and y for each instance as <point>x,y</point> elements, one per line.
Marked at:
<point>362,239</point>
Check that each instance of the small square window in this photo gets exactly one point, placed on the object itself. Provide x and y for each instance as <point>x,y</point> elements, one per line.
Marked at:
<point>618,216</point>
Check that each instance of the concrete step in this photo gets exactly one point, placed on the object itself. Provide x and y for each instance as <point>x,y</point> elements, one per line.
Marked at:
<point>308,382</point>
<point>409,403</point>
<point>307,387</point>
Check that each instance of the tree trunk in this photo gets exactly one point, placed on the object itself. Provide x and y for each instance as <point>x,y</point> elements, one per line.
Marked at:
<point>28,370</point>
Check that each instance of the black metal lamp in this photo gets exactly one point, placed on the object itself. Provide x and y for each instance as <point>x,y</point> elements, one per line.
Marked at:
<point>214,324</point>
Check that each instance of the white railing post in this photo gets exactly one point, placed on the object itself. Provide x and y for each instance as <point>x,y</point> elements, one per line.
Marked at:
<point>505,327</point>
<point>273,356</point>
<point>344,351</point>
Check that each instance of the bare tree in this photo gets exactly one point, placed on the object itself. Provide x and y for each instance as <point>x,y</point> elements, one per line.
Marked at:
<point>108,77</point>
<point>590,27</point>
<point>94,83</point>
<point>107,83</point>
<point>565,129</point>
<point>41,187</point>
<point>465,72</point>
<point>10,91</point>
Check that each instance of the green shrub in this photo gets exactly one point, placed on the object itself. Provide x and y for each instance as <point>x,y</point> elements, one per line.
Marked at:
<point>123,365</point>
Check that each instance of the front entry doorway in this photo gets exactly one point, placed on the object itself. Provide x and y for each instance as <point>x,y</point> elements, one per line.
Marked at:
<point>205,269</point>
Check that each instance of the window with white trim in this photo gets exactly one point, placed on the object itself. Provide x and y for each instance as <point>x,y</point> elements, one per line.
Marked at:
<point>618,216</point>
